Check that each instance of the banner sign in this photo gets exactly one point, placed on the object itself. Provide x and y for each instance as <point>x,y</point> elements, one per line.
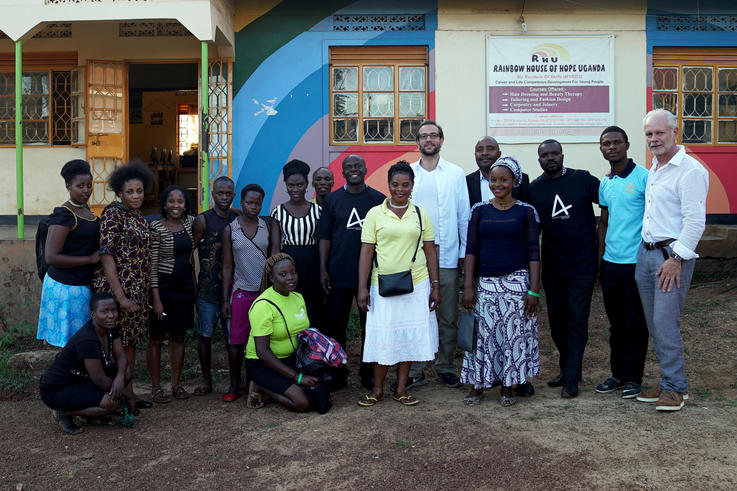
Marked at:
<point>549,87</point>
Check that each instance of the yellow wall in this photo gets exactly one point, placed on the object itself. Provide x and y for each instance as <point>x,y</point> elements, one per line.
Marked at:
<point>460,57</point>
<point>91,40</point>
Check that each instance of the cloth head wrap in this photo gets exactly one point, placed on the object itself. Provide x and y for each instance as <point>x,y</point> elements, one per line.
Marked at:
<point>511,164</point>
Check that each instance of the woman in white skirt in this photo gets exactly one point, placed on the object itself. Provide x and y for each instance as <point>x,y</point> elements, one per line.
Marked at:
<point>400,328</point>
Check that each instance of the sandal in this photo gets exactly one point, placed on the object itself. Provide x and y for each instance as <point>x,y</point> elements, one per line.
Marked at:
<point>405,400</point>
<point>158,397</point>
<point>472,400</point>
<point>507,401</point>
<point>202,390</point>
<point>179,393</point>
<point>254,401</point>
<point>67,423</point>
<point>367,400</point>
<point>230,397</point>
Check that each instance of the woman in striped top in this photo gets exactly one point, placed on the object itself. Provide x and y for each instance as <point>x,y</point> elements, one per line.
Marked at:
<point>298,223</point>
<point>172,289</point>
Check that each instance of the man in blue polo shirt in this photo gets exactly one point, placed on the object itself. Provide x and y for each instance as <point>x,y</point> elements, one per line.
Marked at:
<point>622,201</point>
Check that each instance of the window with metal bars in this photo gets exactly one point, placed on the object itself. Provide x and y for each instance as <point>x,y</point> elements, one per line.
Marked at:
<point>378,94</point>
<point>700,88</point>
<point>52,106</point>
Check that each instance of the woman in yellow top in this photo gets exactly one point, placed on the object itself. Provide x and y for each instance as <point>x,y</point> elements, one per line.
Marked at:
<point>399,329</point>
<point>276,317</point>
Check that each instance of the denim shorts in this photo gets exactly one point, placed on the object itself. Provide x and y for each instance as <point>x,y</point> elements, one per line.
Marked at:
<point>209,314</point>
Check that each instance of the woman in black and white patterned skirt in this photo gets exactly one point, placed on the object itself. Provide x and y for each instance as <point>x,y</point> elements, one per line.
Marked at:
<point>298,223</point>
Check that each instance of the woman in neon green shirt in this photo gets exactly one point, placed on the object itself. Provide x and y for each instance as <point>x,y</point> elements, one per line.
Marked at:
<point>276,317</point>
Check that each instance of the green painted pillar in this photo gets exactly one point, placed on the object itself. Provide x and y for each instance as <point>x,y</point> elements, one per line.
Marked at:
<point>19,135</point>
<point>205,126</point>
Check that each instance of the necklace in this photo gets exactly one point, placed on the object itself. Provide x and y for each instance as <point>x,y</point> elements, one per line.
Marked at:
<point>73,203</point>
<point>503,206</point>
<point>398,207</point>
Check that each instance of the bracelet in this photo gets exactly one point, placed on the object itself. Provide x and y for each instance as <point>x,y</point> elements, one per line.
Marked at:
<point>530,292</point>
<point>435,281</point>
<point>299,379</point>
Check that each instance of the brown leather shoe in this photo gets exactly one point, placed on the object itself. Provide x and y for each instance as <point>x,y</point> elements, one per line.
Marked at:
<point>670,401</point>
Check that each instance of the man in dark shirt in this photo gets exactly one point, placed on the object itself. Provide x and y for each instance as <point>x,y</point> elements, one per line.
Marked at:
<point>339,234</point>
<point>207,231</point>
<point>563,199</point>
<point>487,152</point>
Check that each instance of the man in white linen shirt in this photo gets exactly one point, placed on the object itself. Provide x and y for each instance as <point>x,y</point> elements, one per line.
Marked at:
<point>675,217</point>
<point>440,189</point>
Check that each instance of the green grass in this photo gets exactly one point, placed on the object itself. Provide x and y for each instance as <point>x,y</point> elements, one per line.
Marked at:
<point>12,380</point>
<point>701,392</point>
<point>68,475</point>
<point>353,331</point>
<point>402,443</point>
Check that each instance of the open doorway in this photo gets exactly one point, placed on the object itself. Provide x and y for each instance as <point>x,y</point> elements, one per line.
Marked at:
<point>164,124</point>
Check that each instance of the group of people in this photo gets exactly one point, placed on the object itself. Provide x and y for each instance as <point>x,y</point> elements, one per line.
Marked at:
<point>120,280</point>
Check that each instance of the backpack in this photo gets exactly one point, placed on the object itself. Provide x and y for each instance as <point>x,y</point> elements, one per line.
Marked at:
<point>41,232</point>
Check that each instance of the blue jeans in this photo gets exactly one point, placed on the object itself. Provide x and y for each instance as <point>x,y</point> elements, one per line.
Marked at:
<point>663,315</point>
<point>208,314</point>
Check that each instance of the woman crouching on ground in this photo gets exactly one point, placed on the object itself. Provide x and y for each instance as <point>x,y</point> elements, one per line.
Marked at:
<point>89,375</point>
<point>276,317</point>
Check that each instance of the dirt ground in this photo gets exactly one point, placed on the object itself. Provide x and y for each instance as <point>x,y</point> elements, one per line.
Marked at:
<point>594,441</point>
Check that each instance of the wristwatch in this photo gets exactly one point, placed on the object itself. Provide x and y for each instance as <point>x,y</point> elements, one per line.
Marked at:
<point>676,257</point>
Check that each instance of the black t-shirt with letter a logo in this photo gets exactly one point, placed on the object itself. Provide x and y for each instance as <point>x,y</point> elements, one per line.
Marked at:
<point>567,221</point>
<point>341,221</point>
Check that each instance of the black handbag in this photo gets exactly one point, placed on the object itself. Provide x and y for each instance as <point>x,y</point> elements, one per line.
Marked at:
<point>395,284</point>
<point>468,332</point>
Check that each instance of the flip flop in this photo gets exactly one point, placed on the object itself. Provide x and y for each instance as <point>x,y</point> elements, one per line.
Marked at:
<point>367,400</point>
<point>472,400</point>
<point>202,390</point>
<point>180,393</point>
<point>158,397</point>
<point>507,401</point>
<point>230,397</point>
<point>405,400</point>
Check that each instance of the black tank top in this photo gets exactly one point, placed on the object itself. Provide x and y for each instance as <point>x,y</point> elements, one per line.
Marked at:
<point>210,250</point>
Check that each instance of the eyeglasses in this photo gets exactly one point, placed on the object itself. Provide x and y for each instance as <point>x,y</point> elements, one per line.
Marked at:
<point>428,136</point>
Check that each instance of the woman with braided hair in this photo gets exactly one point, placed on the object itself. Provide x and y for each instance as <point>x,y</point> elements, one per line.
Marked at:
<point>276,317</point>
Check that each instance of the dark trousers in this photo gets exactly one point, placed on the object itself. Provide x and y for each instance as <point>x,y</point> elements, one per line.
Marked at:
<point>339,305</point>
<point>568,299</point>
<point>628,333</point>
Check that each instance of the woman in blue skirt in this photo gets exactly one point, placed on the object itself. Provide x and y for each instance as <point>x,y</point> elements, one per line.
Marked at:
<point>71,254</point>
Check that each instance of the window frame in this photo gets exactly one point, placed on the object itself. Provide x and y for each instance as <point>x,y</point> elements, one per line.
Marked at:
<point>376,56</point>
<point>679,58</point>
<point>50,122</point>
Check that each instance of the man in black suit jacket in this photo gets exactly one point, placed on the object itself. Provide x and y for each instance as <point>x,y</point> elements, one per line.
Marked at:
<point>487,152</point>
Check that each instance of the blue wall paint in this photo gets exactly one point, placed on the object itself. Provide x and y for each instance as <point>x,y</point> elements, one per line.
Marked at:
<point>297,76</point>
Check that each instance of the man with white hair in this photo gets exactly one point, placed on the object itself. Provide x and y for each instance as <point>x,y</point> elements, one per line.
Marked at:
<point>675,216</point>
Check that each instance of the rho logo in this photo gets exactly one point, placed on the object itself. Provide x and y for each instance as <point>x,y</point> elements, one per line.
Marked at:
<point>549,53</point>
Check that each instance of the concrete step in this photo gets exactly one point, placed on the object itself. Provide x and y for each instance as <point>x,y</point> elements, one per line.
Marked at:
<point>718,241</point>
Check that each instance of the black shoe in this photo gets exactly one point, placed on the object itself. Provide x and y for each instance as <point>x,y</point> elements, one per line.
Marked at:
<point>557,381</point>
<point>631,390</point>
<point>411,382</point>
<point>609,385</point>
<point>525,390</point>
<point>449,379</point>
<point>569,391</point>
<point>144,404</point>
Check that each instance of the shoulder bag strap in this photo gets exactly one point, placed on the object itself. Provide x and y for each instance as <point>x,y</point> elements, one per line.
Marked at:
<point>286,326</point>
<point>417,246</point>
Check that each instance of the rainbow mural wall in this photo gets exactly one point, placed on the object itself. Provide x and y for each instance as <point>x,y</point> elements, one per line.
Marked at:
<point>281,88</point>
<point>719,160</point>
